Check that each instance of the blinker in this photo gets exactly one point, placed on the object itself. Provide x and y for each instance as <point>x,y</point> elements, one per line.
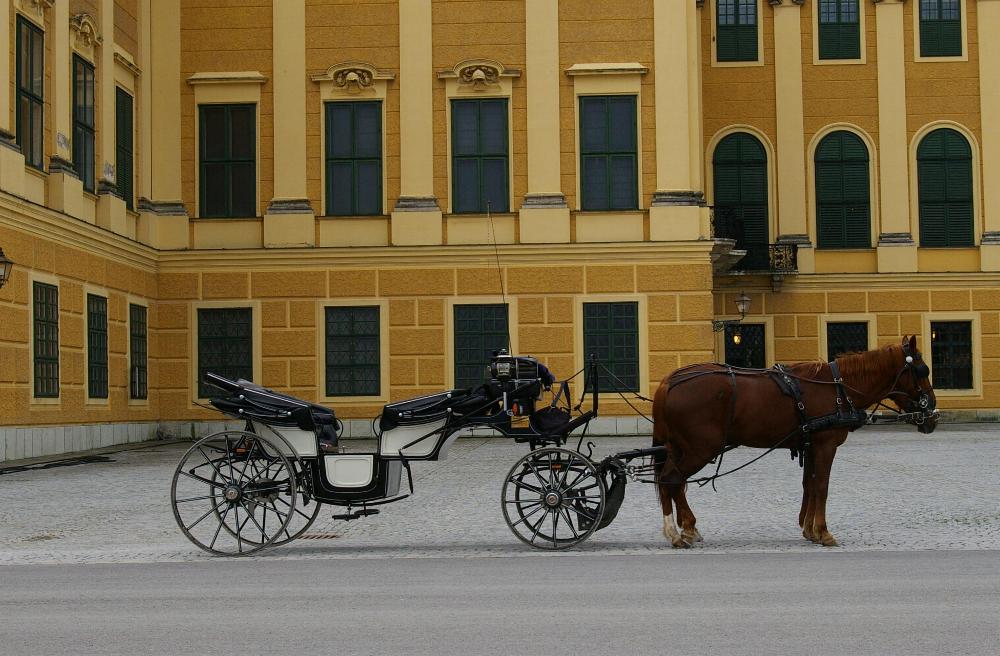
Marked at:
<point>909,359</point>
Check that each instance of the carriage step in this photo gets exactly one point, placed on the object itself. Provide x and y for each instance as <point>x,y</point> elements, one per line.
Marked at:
<point>357,514</point>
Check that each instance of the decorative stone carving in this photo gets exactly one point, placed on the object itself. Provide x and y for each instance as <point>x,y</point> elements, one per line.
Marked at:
<point>84,29</point>
<point>35,8</point>
<point>353,78</point>
<point>479,74</point>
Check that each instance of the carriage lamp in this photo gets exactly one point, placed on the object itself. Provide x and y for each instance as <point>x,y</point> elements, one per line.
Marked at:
<point>742,306</point>
<point>6,264</point>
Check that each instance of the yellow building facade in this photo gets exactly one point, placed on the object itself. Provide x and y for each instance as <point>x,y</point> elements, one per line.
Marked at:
<point>633,154</point>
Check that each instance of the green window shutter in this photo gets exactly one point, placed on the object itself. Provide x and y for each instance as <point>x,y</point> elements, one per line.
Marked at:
<point>83,122</point>
<point>228,160</point>
<point>479,331</point>
<point>97,346</point>
<point>46,340</point>
<point>353,364</point>
<point>944,183</point>
<point>845,337</point>
<point>354,158</point>
<point>736,30</point>
<point>839,29</point>
<point>940,28</point>
<point>225,345</point>
<point>480,164</point>
<point>951,354</point>
<point>608,153</point>
<point>138,352</point>
<point>739,166</point>
<point>30,84</point>
<point>124,148</point>
<point>843,203</point>
<point>611,336</point>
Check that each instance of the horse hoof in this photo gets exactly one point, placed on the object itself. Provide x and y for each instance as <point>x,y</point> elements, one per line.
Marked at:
<point>829,541</point>
<point>692,536</point>
<point>809,536</point>
<point>680,543</point>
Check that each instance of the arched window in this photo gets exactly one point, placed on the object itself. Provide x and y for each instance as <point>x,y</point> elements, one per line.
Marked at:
<point>739,167</point>
<point>843,202</point>
<point>944,183</point>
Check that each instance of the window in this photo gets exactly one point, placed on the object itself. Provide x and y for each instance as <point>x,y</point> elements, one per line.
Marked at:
<point>745,346</point>
<point>97,347</point>
<point>46,304</point>
<point>944,183</point>
<point>608,161</point>
<point>839,29</point>
<point>845,337</point>
<point>124,151</point>
<point>940,28</point>
<point>138,348</point>
<point>228,160</point>
<point>951,354</point>
<point>30,92</point>
<point>479,174</point>
<point>736,30</point>
<point>479,331</point>
<point>83,122</point>
<point>353,158</point>
<point>225,345</point>
<point>739,167</point>
<point>352,351</point>
<point>611,335</point>
<point>843,206</point>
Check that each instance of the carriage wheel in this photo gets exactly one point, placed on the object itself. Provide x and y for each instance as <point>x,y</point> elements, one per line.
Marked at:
<point>553,498</point>
<point>303,515</point>
<point>234,493</point>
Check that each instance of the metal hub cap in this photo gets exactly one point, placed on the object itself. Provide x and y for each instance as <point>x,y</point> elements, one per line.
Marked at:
<point>552,499</point>
<point>232,493</point>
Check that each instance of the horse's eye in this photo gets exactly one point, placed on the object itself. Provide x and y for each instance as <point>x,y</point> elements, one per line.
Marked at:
<point>922,370</point>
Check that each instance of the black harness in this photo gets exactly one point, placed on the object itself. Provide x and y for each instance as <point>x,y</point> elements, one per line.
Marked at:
<point>844,416</point>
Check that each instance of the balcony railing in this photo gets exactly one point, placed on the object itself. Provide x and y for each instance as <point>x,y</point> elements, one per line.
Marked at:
<point>761,257</point>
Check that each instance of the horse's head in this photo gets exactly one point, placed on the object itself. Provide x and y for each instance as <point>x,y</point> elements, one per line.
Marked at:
<point>912,390</point>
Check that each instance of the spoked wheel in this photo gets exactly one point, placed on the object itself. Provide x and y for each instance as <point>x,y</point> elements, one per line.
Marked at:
<point>553,498</point>
<point>234,493</point>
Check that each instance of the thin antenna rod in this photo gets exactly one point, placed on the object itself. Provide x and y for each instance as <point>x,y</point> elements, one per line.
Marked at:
<point>496,251</point>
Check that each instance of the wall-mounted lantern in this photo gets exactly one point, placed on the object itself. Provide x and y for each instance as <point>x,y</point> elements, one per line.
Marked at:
<point>742,306</point>
<point>6,264</point>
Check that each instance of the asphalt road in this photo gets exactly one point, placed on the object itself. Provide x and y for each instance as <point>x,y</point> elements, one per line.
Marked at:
<point>792,603</point>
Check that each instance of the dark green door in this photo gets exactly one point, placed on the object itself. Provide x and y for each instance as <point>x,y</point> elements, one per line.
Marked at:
<point>740,173</point>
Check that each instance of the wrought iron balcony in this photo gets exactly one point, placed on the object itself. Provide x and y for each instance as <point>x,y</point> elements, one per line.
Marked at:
<point>760,256</point>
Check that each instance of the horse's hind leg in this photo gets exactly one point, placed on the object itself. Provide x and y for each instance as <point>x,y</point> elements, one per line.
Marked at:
<point>662,467</point>
<point>685,516</point>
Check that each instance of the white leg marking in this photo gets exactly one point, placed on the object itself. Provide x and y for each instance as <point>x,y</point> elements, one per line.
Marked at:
<point>670,530</point>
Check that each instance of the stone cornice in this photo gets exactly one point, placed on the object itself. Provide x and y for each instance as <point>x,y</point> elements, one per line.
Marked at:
<point>480,74</point>
<point>228,77</point>
<point>352,76</point>
<point>627,68</point>
<point>123,58</point>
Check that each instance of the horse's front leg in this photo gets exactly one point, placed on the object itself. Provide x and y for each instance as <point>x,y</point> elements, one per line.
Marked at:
<point>807,509</point>
<point>823,452</point>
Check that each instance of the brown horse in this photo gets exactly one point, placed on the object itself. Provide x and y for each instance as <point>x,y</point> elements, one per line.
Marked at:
<point>700,410</point>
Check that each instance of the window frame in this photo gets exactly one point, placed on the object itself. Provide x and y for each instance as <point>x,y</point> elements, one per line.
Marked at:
<point>859,27</point>
<point>974,182</point>
<point>608,153</point>
<point>927,348</point>
<point>36,359</point>
<point>480,156</point>
<point>138,391</point>
<point>611,383</point>
<point>84,123</point>
<point>454,346</point>
<point>228,161</point>
<point>354,159</point>
<point>936,324</point>
<point>759,60</point>
<point>378,366</point>
<point>34,99</point>
<point>919,38</point>
<point>828,325</point>
<point>125,175</point>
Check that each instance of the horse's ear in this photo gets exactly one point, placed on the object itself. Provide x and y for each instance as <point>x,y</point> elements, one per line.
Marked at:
<point>906,341</point>
<point>913,343</point>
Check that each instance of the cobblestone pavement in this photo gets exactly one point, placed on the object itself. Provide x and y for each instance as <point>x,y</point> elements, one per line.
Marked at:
<point>891,490</point>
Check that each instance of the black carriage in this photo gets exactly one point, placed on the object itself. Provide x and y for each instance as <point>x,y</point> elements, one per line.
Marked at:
<point>238,491</point>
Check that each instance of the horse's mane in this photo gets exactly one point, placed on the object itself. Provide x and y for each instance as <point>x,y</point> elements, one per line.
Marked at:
<point>866,368</point>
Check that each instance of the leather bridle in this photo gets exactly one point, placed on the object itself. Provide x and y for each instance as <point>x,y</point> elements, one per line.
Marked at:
<point>917,410</point>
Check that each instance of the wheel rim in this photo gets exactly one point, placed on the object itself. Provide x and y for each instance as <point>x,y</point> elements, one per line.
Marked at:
<point>234,493</point>
<point>553,498</point>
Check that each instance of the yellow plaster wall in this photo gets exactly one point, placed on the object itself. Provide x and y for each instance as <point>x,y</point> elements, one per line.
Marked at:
<point>606,31</point>
<point>464,29</point>
<point>340,31</point>
<point>739,94</point>
<point>127,25</point>
<point>216,38</point>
